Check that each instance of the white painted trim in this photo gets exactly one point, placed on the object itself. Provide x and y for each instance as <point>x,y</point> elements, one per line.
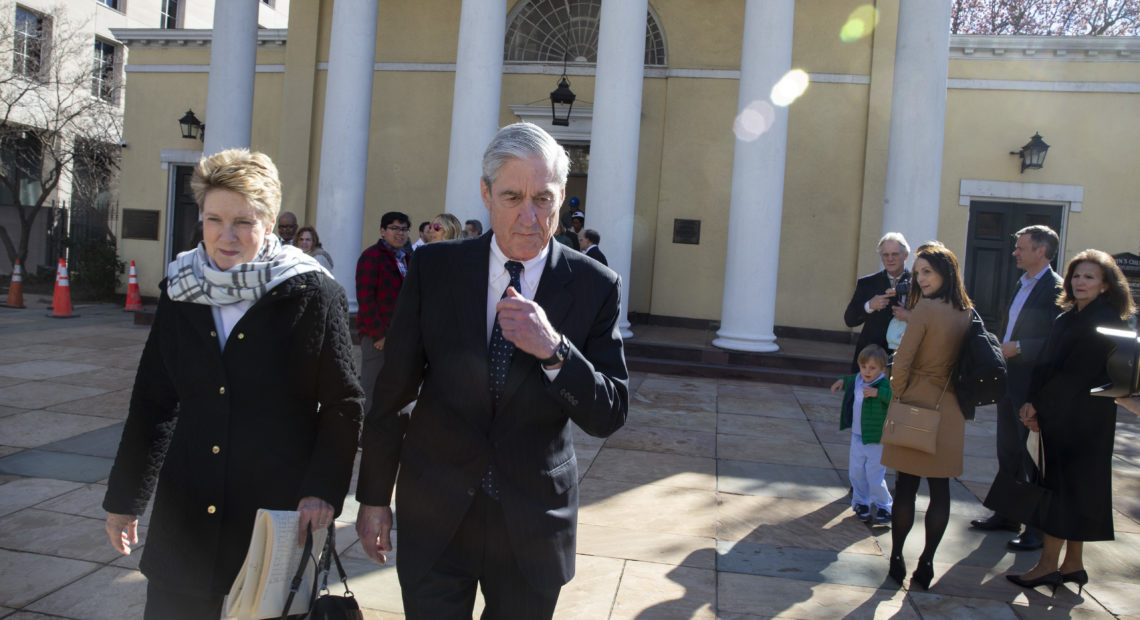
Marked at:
<point>581,121</point>
<point>1073,195</point>
<point>194,68</point>
<point>1044,48</point>
<point>179,156</point>
<point>185,37</point>
<point>1055,87</point>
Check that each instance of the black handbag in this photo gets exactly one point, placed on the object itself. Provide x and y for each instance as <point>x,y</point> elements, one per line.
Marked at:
<point>1024,502</point>
<point>326,606</point>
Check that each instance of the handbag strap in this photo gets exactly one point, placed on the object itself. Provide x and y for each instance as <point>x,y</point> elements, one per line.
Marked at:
<point>300,575</point>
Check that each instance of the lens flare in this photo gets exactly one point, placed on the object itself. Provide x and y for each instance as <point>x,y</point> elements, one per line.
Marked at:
<point>790,87</point>
<point>755,119</point>
<point>860,23</point>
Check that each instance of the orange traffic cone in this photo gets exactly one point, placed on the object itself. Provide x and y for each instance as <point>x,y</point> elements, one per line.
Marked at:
<point>134,300</point>
<point>61,298</point>
<point>16,288</point>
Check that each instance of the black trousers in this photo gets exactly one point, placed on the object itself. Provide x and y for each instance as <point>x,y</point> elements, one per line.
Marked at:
<point>165,604</point>
<point>1012,457</point>
<point>479,554</point>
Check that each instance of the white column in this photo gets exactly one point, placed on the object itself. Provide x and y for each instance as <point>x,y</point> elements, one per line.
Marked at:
<point>748,313</point>
<point>233,58</point>
<point>614,136</point>
<point>344,136</point>
<point>918,120</point>
<point>475,104</point>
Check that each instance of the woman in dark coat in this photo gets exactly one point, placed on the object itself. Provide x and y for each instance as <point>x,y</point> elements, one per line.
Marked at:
<point>246,396</point>
<point>1077,429</point>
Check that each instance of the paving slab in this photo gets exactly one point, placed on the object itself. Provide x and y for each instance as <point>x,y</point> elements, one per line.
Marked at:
<point>30,576</point>
<point>793,523</point>
<point>43,369</point>
<point>760,596</point>
<point>22,493</point>
<point>58,465</point>
<point>751,478</point>
<point>590,595</point>
<point>111,404</point>
<point>40,394</point>
<point>102,442</point>
<point>56,534</point>
<point>33,429</point>
<point>646,546</point>
<point>650,590</point>
<point>641,467</point>
<point>87,597</point>
<point>614,503</point>
<point>682,419</point>
<point>668,440</point>
<point>112,378</point>
<point>814,565</point>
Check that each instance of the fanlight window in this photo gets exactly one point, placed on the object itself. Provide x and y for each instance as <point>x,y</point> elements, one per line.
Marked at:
<point>553,30</point>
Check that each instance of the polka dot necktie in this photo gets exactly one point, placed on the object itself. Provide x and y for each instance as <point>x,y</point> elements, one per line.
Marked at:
<point>499,353</point>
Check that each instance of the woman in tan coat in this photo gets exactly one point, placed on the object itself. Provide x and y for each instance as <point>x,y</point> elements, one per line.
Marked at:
<point>923,365</point>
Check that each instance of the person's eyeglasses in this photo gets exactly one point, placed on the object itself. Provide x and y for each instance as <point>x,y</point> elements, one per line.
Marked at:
<point>399,229</point>
<point>436,226</point>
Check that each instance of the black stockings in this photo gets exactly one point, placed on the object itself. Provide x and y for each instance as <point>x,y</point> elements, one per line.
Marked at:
<point>937,513</point>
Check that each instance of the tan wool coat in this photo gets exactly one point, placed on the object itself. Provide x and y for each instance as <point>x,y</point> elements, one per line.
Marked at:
<point>923,364</point>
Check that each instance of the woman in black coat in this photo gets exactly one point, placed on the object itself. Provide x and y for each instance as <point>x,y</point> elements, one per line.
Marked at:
<point>246,396</point>
<point>1077,429</point>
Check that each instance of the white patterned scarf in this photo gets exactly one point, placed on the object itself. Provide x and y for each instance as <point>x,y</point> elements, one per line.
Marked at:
<point>192,277</point>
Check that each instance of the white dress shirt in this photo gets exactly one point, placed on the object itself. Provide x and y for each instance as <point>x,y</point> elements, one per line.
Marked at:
<point>1027,284</point>
<point>498,279</point>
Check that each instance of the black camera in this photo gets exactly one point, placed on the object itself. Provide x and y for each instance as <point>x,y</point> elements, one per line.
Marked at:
<point>1123,366</point>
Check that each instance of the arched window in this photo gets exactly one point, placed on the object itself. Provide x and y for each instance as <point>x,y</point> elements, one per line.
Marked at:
<point>550,30</point>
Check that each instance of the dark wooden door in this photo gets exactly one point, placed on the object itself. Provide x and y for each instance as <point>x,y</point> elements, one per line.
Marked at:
<point>186,227</point>
<point>990,270</point>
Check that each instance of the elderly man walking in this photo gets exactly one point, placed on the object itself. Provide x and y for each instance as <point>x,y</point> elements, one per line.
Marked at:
<point>512,338</point>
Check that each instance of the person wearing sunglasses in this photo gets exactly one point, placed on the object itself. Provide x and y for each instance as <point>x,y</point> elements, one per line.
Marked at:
<point>380,272</point>
<point>444,227</point>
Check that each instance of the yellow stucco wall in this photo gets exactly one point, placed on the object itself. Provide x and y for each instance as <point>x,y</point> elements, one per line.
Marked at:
<point>837,138</point>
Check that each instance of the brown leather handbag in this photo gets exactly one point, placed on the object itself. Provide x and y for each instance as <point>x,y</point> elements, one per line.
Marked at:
<point>911,426</point>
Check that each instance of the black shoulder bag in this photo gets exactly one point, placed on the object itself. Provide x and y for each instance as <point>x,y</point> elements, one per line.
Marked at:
<point>325,606</point>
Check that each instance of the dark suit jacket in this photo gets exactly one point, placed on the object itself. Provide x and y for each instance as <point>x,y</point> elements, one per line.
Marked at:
<point>438,336</point>
<point>874,324</point>
<point>596,253</point>
<point>1031,329</point>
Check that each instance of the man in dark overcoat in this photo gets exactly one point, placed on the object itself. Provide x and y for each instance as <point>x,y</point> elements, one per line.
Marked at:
<point>1024,331</point>
<point>505,340</point>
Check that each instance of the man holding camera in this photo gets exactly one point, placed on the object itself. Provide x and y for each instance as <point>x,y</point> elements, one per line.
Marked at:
<point>875,300</point>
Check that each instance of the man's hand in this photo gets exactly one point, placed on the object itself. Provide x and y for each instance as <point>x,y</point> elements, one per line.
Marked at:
<point>878,302</point>
<point>1009,349</point>
<point>525,325</point>
<point>124,531</point>
<point>901,313</point>
<point>374,528</point>
<point>835,386</point>
<point>379,344</point>
<point>315,512</point>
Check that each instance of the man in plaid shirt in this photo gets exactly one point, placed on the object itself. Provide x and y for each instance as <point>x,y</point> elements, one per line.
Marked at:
<point>380,272</point>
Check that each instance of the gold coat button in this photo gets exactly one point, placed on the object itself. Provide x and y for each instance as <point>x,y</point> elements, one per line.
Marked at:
<point>213,333</point>
<point>241,336</point>
<point>222,390</point>
<point>211,509</point>
<point>215,449</point>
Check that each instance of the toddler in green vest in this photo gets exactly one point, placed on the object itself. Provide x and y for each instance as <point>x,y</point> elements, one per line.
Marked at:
<point>865,399</point>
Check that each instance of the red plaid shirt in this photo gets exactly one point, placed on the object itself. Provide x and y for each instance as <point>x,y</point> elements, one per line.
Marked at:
<point>378,283</point>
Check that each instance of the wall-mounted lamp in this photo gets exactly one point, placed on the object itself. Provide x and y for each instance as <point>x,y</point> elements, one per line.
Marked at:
<point>192,128</point>
<point>561,101</point>
<point>1033,153</point>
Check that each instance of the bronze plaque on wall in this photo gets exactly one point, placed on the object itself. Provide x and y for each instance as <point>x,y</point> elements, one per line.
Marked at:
<point>140,224</point>
<point>687,231</point>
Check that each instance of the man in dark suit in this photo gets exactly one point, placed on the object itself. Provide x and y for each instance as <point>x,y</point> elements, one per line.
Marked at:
<point>1024,330</point>
<point>588,240</point>
<point>513,337</point>
<point>874,302</point>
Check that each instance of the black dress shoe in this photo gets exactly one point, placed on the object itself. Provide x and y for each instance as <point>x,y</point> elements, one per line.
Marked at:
<point>1027,541</point>
<point>995,522</point>
<point>1079,577</point>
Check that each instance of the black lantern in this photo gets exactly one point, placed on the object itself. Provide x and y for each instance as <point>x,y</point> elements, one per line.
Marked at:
<point>192,128</point>
<point>1033,153</point>
<point>561,102</point>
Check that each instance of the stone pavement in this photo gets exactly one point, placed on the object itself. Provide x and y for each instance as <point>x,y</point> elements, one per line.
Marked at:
<point>719,499</point>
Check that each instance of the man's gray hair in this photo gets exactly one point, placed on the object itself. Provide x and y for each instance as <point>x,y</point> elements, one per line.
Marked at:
<point>1042,235</point>
<point>897,238</point>
<point>523,141</point>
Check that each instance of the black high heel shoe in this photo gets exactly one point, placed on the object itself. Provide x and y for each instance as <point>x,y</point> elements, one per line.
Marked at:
<point>1052,580</point>
<point>923,574</point>
<point>898,569</point>
<point>1079,577</point>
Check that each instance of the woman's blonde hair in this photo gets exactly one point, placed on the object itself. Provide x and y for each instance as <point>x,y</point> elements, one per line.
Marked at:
<point>450,226</point>
<point>249,173</point>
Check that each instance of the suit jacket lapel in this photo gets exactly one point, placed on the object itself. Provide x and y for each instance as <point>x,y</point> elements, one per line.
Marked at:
<point>556,301</point>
